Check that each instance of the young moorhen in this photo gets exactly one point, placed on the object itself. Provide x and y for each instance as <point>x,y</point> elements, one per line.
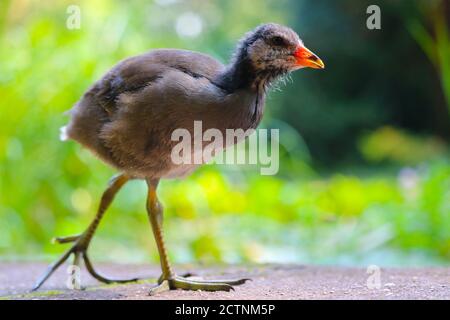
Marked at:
<point>128,116</point>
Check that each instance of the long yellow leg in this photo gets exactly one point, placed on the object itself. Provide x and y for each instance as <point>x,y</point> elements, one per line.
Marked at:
<point>82,241</point>
<point>168,279</point>
<point>155,214</point>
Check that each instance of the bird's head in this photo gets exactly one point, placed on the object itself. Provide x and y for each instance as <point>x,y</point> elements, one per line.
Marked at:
<point>277,49</point>
<point>269,51</point>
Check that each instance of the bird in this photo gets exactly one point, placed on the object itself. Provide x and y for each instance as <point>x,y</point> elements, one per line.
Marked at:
<point>127,117</point>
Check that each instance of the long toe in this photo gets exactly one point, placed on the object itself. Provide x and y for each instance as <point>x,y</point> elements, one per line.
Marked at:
<point>78,251</point>
<point>69,239</point>
<point>101,277</point>
<point>232,282</point>
<point>185,284</point>
<point>52,268</point>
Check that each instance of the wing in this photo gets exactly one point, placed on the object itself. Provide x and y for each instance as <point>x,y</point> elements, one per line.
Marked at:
<point>136,73</point>
<point>123,117</point>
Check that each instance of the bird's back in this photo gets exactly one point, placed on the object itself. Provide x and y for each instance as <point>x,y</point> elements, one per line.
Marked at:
<point>138,101</point>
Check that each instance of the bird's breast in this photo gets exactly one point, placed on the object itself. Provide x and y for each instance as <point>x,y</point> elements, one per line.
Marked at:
<point>244,112</point>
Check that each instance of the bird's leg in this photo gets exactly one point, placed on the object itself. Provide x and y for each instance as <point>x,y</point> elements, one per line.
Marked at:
<point>154,210</point>
<point>168,279</point>
<point>82,241</point>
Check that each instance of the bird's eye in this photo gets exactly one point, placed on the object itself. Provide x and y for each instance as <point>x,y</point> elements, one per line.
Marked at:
<point>278,41</point>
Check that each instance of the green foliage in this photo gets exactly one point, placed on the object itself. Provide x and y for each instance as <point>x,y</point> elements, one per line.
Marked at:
<point>390,144</point>
<point>49,188</point>
<point>373,78</point>
<point>436,47</point>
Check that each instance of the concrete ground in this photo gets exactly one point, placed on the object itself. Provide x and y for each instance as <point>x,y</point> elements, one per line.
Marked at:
<point>269,282</point>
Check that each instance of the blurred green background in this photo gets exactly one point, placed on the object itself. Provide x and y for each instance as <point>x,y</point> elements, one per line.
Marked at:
<point>365,169</point>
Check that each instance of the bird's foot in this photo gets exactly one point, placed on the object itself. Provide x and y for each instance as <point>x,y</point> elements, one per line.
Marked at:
<point>186,283</point>
<point>78,250</point>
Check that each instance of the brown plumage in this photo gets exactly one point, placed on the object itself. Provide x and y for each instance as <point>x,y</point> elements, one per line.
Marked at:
<point>127,117</point>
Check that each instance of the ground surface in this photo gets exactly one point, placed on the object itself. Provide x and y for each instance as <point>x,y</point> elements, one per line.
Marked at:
<point>269,282</point>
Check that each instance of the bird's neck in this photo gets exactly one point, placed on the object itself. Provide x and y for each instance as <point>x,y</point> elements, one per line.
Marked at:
<point>247,89</point>
<point>241,75</point>
<point>238,75</point>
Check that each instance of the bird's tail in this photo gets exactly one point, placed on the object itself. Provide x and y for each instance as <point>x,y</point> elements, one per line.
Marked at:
<point>63,134</point>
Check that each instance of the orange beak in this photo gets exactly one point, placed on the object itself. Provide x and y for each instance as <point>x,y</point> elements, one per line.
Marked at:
<point>307,59</point>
